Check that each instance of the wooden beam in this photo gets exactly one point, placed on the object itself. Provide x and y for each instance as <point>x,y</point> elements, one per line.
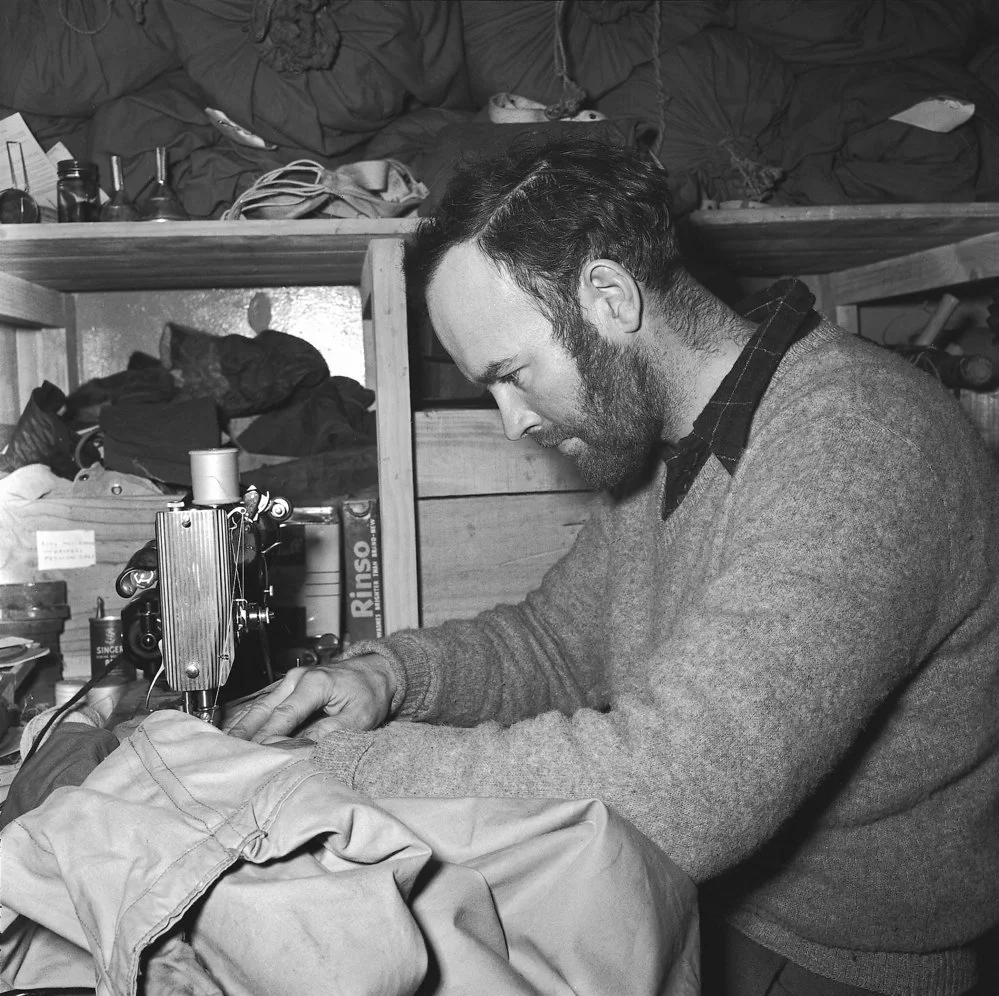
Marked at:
<point>946,266</point>
<point>23,302</point>
<point>386,331</point>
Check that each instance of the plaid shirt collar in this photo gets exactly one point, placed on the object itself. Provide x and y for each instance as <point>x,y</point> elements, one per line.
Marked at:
<point>785,315</point>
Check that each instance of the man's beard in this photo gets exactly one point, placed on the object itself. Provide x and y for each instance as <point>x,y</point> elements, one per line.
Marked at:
<point>621,414</point>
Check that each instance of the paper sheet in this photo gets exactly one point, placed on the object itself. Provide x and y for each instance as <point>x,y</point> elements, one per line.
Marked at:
<point>65,549</point>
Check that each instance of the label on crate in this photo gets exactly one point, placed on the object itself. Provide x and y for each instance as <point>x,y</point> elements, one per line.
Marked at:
<point>63,549</point>
<point>362,568</point>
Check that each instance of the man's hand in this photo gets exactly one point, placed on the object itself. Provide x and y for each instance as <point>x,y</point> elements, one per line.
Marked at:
<point>354,695</point>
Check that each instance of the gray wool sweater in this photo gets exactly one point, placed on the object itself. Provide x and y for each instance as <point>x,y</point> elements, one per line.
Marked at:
<point>791,684</point>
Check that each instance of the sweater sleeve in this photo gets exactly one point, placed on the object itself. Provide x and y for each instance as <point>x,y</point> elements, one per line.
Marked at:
<point>514,661</point>
<point>830,556</point>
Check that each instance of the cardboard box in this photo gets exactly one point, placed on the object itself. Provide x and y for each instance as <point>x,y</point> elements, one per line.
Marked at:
<point>305,572</point>
<point>363,610</point>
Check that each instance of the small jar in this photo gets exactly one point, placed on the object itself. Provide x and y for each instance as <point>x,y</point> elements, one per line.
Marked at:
<point>78,191</point>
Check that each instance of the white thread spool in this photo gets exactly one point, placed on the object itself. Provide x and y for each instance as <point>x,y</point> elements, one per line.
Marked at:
<point>215,476</point>
<point>66,689</point>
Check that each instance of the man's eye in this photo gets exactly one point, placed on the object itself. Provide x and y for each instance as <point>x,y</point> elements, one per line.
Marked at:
<point>511,378</point>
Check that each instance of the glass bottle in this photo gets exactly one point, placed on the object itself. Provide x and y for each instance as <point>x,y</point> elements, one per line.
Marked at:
<point>77,191</point>
<point>119,207</point>
<point>17,206</point>
<point>163,204</point>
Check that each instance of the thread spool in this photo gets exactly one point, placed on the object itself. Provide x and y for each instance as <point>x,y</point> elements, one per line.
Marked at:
<point>215,476</point>
<point>66,689</point>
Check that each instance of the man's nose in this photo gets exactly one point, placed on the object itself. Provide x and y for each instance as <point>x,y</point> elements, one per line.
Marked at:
<point>517,416</point>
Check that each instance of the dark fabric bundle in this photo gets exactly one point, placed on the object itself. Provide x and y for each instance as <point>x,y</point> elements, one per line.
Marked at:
<point>723,95</point>
<point>985,68</point>
<point>243,376</point>
<point>510,45</point>
<point>839,145</point>
<point>333,415</point>
<point>66,58</point>
<point>390,55</point>
<point>41,436</point>
<point>293,36</point>
<point>144,381</point>
<point>207,170</point>
<point>154,441</point>
<point>849,32</point>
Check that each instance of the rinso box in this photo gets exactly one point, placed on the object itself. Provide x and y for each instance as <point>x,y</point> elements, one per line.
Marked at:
<point>363,610</point>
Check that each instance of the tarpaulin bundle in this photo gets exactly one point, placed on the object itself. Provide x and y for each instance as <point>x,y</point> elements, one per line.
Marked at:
<point>847,32</point>
<point>839,144</point>
<point>720,99</point>
<point>985,68</point>
<point>295,35</point>
<point>66,57</point>
<point>510,45</point>
<point>207,170</point>
<point>389,54</point>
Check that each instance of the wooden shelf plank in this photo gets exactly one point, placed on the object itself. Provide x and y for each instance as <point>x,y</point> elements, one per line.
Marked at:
<point>801,240</point>
<point>25,303</point>
<point>195,254</point>
<point>462,451</point>
<point>946,266</point>
<point>478,552</point>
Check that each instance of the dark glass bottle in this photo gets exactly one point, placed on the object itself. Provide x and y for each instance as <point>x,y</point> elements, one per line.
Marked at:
<point>78,192</point>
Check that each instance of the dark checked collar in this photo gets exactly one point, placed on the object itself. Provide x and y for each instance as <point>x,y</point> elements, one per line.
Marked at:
<point>785,315</point>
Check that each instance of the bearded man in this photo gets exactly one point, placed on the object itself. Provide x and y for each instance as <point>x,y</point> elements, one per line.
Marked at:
<point>775,650</point>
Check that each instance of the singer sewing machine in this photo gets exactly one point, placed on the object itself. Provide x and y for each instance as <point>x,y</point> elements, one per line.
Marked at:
<point>190,586</point>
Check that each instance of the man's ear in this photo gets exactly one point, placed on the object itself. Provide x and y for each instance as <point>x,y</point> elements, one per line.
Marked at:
<point>610,298</point>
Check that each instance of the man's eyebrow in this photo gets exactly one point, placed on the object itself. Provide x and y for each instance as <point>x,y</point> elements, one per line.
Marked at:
<point>494,372</point>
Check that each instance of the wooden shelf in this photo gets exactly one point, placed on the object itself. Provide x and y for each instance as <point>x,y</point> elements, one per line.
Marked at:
<point>814,240</point>
<point>204,254</point>
<point>192,254</point>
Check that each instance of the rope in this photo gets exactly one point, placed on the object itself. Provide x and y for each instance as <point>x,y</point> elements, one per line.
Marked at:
<point>657,67</point>
<point>574,94</point>
<point>757,179</point>
<point>64,14</point>
<point>282,183</point>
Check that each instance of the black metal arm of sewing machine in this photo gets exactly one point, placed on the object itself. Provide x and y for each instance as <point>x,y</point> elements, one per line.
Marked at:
<point>192,590</point>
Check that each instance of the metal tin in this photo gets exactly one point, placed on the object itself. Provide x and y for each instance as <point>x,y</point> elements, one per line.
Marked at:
<point>105,646</point>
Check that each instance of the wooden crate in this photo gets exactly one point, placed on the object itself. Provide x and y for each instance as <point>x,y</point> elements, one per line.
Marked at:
<point>120,525</point>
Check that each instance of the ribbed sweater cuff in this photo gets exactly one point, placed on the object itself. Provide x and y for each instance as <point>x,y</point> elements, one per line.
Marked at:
<point>414,678</point>
<point>935,973</point>
<point>340,753</point>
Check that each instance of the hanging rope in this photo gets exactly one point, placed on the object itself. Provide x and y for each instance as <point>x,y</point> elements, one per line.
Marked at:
<point>64,15</point>
<point>573,93</point>
<point>657,67</point>
<point>758,178</point>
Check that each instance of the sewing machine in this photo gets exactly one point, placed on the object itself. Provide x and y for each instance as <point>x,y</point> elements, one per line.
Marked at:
<point>192,594</point>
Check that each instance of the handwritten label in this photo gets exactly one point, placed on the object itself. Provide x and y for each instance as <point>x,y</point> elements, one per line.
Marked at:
<point>66,548</point>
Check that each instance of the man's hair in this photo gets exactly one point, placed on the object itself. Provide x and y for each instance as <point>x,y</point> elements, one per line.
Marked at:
<point>543,213</point>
